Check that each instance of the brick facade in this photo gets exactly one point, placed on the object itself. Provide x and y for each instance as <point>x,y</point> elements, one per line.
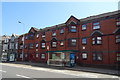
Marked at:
<point>91,39</point>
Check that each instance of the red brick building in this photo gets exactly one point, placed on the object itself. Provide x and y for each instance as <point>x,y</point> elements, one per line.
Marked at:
<point>94,40</point>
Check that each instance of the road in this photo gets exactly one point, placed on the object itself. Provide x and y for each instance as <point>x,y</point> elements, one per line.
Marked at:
<point>29,72</point>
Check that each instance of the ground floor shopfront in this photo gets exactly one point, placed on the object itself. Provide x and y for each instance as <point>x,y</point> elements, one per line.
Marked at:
<point>62,58</point>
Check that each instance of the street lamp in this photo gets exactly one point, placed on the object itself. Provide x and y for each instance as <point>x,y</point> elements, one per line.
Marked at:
<point>22,40</point>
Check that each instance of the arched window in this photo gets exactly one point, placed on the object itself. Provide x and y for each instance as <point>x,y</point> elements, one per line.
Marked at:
<point>96,37</point>
<point>43,44</point>
<point>54,42</point>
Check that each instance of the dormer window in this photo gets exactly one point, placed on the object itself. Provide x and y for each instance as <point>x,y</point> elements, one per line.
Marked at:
<point>43,35</point>
<point>72,29</point>
<point>54,33</point>
<point>84,27</point>
<point>43,45</point>
<point>54,43</point>
<point>23,38</point>
<point>96,25</point>
<point>31,36</point>
<point>37,35</point>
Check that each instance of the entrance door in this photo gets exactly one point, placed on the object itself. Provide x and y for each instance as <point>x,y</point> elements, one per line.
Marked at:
<point>72,59</point>
<point>12,57</point>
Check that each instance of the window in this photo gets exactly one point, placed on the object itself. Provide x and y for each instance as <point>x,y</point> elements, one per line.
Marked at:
<point>31,45</point>
<point>23,38</point>
<point>37,35</point>
<point>118,22</point>
<point>96,25</point>
<point>26,55</point>
<point>26,37</point>
<point>83,27</point>
<point>84,40</point>
<point>54,34</point>
<point>43,56</point>
<point>43,35</point>
<point>118,56</point>
<point>73,29</point>
<point>97,40</point>
<point>36,55</point>
<point>21,46</point>
<point>54,44</point>
<point>25,45</point>
<point>84,55</point>
<point>61,31</point>
<point>61,43</point>
<point>36,45</point>
<point>31,36</point>
<point>43,44</point>
<point>117,38</point>
<point>16,46</point>
<point>97,57</point>
<point>72,42</point>
<point>21,55</point>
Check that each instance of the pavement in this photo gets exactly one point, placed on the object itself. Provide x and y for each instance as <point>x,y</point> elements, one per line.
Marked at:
<point>76,68</point>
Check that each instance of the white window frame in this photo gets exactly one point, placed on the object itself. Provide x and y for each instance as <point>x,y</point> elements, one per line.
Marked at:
<point>61,43</point>
<point>61,31</point>
<point>117,38</point>
<point>84,55</point>
<point>96,25</point>
<point>37,45</point>
<point>43,45</point>
<point>54,34</point>
<point>97,40</point>
<point>73,29</point>
<point>73,42</point>
<point>84,27</point>
<point>42,56</point>
<point>54,44</point>
<point>83,40</point>
<point>97,57</point>
<point>37,35</point>
<point>37,55</point>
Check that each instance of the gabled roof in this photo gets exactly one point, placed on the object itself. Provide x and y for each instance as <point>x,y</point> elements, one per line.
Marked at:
<point>35,29</point>
<point>96,33</point>
<point>70,18</point>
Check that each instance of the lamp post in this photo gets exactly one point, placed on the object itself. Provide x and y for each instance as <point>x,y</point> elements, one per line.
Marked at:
<point>22,40</point>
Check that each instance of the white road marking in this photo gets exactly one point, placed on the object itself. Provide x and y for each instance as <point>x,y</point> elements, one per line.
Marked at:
<point>22,76</point>
<point>114,76</point>
<point>67,72</point>
<point>2,71</point>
